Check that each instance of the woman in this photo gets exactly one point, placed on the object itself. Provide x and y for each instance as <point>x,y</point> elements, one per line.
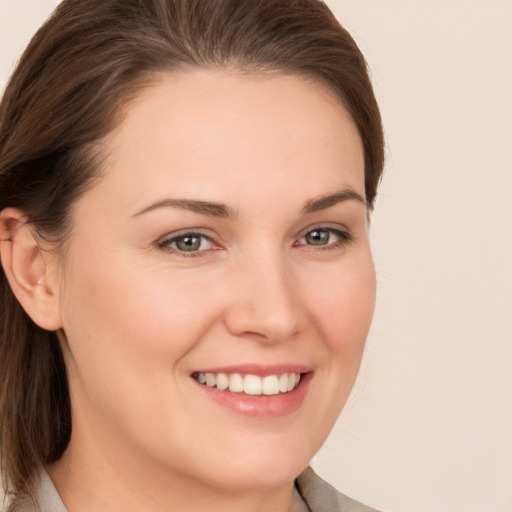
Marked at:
<point>187,278</point>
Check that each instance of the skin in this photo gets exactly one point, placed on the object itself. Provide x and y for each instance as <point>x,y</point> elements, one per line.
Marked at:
<point>138,317</point>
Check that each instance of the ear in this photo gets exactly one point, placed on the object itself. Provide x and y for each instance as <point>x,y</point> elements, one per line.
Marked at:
<point>27,268</point>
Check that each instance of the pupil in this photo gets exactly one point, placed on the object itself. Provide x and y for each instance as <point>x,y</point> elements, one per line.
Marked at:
<point>318,237</point>
<point>189,243</point>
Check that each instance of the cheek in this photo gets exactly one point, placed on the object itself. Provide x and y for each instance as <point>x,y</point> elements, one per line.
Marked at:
<point>341,308</point>
<point>132,344</point>
<point>342,305</point>
<point>129,329</point>
<point>150,314</point>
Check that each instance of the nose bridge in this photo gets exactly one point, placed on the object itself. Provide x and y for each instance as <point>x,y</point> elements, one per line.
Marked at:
<point>266,302</point>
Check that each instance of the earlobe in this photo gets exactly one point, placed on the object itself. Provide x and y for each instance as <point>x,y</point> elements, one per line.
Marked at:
<point>25,264</point>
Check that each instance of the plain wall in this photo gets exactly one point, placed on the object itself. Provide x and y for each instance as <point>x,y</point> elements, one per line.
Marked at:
<point>429,425</point>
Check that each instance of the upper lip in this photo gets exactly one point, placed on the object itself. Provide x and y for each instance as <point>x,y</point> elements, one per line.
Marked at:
<point>258,369</point>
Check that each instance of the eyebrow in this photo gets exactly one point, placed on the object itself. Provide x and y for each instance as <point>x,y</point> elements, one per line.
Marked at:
<point>212,209</point>
<point>208,208</point>
<point>324,202</point>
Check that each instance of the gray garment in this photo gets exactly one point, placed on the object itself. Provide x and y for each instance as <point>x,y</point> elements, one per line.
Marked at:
<point>317,495</point>
<point>322,497</point>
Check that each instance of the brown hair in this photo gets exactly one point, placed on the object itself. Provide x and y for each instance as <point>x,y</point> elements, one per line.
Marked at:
<point>67,92</point>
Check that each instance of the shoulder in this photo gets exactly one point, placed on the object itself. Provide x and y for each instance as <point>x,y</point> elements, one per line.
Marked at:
<point>322,497</point>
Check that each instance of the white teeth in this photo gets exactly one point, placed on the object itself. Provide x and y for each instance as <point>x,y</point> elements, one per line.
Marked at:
<point>293,380</point>
<point>271,385</point>
<point>283,383</point>
<point>222,381</point>
<point>250,384</point>
<point>236,383</point>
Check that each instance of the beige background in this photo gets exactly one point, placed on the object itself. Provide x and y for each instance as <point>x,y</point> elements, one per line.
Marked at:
<point>429,427</point>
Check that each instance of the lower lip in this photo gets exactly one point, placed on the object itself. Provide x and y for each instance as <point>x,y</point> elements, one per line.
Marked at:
<point>267,406</point>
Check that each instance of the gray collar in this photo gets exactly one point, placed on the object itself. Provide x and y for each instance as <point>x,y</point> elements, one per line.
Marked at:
<point>322,497</point>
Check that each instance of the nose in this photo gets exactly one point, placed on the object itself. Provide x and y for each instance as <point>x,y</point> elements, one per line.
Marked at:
<point>265,302</point>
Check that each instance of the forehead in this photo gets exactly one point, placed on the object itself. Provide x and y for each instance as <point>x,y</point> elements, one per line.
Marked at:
<point>203,131</point>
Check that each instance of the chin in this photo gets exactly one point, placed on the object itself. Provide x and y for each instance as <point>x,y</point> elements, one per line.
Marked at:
<point>265,464</point>
<point>264,475</point>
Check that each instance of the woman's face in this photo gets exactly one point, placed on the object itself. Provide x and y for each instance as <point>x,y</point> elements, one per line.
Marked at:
<point>226,240</point>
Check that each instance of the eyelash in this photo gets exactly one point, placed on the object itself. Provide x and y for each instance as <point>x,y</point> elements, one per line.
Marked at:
<point>344,238</point>
<point>166,244</point>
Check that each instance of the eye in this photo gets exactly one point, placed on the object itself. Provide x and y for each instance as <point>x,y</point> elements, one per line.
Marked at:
<point>187,243</point>
<point>325,238</point>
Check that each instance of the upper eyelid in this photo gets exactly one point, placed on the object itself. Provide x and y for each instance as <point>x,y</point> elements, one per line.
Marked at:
<point>165,244</point>
<point>344,234</point>
<point>327,227</point>
<point>201,232</point>
<point>183,233</point>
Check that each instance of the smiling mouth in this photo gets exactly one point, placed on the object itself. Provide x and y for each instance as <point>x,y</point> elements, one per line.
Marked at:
<point>250,384</point>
